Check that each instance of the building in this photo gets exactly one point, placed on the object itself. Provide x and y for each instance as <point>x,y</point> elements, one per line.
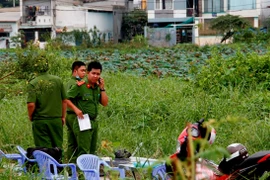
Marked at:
<point>176,14</point>
<point>253,10</point>
<point>190,19</point>
<point>106,16</point>
<point>9,26</point>
<point>43,19</point>
<point>40,18</point>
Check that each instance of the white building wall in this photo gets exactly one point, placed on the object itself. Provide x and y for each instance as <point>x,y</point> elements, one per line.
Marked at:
<point>179,13</point>
<point>209,40</point>
<point>102,20</point>
<point>71,17</point>
<point>246,13</point>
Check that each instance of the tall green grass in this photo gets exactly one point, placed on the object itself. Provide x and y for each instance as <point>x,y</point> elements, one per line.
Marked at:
<point>155,111</point>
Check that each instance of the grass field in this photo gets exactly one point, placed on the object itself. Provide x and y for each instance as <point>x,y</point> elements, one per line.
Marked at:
<point>153,111</point>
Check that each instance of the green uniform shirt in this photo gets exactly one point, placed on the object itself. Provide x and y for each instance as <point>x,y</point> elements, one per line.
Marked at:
<point>47,92</point>
<point>69,84</point>
<point>86,99</point>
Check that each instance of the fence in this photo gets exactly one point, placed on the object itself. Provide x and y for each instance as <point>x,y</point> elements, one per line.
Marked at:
<point>164,37</point>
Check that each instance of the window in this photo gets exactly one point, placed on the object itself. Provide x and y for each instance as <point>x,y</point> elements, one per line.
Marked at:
<point>241,5</point>
<point>4,34</point>
<point>163,4</point>
<point>214,6</point>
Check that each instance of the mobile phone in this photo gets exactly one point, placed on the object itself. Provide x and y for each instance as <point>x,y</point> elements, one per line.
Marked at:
<point>99,80</point>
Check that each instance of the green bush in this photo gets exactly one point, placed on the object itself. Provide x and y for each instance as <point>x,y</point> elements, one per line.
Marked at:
<point>251,36</point>
<point>240,70</point>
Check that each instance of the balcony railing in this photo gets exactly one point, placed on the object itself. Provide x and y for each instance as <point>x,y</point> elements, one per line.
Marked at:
<point>37,20</point>
<point>31,13</point>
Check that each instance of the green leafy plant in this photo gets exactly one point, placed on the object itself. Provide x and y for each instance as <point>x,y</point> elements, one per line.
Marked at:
<point>149,94</point>
<point>95,37</point>
<point>228,25</point>
<point>241,70</point>
<point>168,37</point>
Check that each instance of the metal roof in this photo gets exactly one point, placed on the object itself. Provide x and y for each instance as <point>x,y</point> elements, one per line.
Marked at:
<point>104,5</point>
<point>10,16</point>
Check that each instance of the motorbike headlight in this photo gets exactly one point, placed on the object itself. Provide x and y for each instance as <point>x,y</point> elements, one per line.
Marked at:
<point>194,132</point>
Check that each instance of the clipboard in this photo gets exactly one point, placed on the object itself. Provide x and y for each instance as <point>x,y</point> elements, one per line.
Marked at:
<point>85,123</point>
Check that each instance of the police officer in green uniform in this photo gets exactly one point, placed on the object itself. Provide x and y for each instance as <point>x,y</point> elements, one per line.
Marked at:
<point>78,72</point>
<point>46,105</point>
<point>87,97</point>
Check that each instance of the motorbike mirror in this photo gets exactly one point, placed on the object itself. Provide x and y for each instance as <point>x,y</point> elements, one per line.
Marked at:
<point>201,121</point>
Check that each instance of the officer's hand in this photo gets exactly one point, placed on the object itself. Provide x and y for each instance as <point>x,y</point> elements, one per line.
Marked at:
<point>101,83</point>
<point>79,83</point>
<point>79,113</point>
<point>63,121</point>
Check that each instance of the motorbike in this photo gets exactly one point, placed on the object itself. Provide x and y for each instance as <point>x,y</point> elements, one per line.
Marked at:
<point>238,166</point>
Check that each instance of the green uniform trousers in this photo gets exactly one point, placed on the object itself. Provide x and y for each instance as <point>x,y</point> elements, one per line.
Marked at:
<point>71,138</point>
<point>86,140</point>
<point>48,133</point>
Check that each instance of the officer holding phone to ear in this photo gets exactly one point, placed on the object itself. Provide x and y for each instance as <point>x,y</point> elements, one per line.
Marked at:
<point>86,98</point>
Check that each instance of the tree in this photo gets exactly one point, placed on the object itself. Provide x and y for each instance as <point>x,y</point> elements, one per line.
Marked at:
<point>228,25</point>
<point>133,23</point>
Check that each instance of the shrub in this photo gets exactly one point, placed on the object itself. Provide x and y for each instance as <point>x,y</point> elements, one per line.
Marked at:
<point>251,36</point>
<point>240,70</point>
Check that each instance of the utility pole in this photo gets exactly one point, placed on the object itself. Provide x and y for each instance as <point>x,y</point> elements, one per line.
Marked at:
<point>13,3</point>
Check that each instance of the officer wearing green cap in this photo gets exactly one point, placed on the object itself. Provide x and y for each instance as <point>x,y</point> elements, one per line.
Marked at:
<point>87,97</point>
<point>46,104</point>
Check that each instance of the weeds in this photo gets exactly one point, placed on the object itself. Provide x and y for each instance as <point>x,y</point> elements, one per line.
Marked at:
<point>152,110</point>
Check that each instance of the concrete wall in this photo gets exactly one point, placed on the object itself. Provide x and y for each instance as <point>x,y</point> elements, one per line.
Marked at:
<point>160,37</point>
<point>71,17</point>
<point>207,40</point>
<point>102,20</point>
<point>117,22</point>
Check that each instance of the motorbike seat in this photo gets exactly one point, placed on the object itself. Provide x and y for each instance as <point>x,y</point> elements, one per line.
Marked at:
<point>253,159</point>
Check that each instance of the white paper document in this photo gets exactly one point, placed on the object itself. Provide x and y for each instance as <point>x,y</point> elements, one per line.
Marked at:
<point>84,123</point>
